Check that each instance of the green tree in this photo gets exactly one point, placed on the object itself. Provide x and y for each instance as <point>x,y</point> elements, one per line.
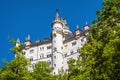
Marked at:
<point>100,55</point>
<point>42,71</point>
<point>16,68</point>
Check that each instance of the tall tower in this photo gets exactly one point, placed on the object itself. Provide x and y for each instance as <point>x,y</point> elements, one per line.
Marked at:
<point>57,42</point>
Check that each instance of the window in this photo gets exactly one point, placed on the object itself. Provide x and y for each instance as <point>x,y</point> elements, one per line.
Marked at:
<point>66,70</point>
<point>61,48</point>
<point>65,55</point>
<point>74,43</point>
<point>82,40</point>
<point>55,65</point>
<point>42,55</point>
<point>49,62</point>
<point>32,51</point>
<point>55,49</point>
<point>71,52</point>
<point>24,53</point>
<point>41,48</point>
<point>49,55</point>
<point>31,58</point>
<point>55,57</point>
<point>49,47</point>
<point>54,41</point>
<point>33,65</point>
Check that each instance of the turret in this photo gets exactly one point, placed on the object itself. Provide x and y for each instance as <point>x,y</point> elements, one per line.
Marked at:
<point>57,42</point>
<point>66,29</point>
<point>17,42</point>
<point>27,42</point>
<point>77,32</point>
<point>86,29</point>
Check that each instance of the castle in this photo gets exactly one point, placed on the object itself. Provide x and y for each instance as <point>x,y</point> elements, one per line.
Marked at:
<point>57,50</point>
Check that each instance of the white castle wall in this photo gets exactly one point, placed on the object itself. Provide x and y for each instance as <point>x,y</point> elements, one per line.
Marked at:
<point>66,49</point>
<point>42,53</point>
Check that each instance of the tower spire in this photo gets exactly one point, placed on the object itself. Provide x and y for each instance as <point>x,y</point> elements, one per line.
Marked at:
<point>18,40</point>
<point>57,14</point>
<point>57,17</point>
<point>77,26</point>
<point>86,23</point>
<point>28,38</point>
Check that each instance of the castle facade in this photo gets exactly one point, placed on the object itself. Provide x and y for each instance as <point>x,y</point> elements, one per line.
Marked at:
<point>60,48</point>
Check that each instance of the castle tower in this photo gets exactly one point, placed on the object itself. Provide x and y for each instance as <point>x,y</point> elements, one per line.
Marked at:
<point>17,42</point>
<point>57,42</point>
<point>86,29</point>
<point>27,42</point>
<point>77,32</point>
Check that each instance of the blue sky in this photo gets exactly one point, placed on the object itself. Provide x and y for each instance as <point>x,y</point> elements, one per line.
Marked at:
<point>18,18</point>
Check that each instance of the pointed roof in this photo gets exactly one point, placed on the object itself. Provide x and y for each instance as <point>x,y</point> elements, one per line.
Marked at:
<point>57,17</point>
<point>28,38</point>
<point>65,25</point>
<point>18,40</point>
<point>77,26</point>
<point>57,14</point>
<point>86,23</point>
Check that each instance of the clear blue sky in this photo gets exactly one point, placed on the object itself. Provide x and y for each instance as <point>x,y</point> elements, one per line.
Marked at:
<point>18,18</point>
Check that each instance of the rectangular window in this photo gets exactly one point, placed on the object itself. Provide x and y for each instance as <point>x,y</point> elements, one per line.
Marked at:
<point>31,58</point>
<point>49,47</point>
<point>24,53</point>
<point>55,65</point>
<point>82,40</point>
<point>49,55</point>
<point>74,43</point>
<point>49,62</point>
<point>55,57</point>
<point>61,48</point>
<point>71,52</point>
<point>32,51</point>
<point>55,49</point>
<point>41,48</point>
<point>42,56</point>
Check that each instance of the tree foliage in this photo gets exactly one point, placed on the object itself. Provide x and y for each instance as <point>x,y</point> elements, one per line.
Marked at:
<point>42,71</point>
<point>100,56</point>
<point>16,68</point>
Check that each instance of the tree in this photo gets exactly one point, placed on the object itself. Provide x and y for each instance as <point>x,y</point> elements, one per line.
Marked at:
<point>100,55</point>
<point>16,68</point>
<point>42,71</point>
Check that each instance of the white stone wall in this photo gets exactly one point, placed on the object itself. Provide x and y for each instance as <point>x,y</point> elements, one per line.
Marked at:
<point>41,53</point>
